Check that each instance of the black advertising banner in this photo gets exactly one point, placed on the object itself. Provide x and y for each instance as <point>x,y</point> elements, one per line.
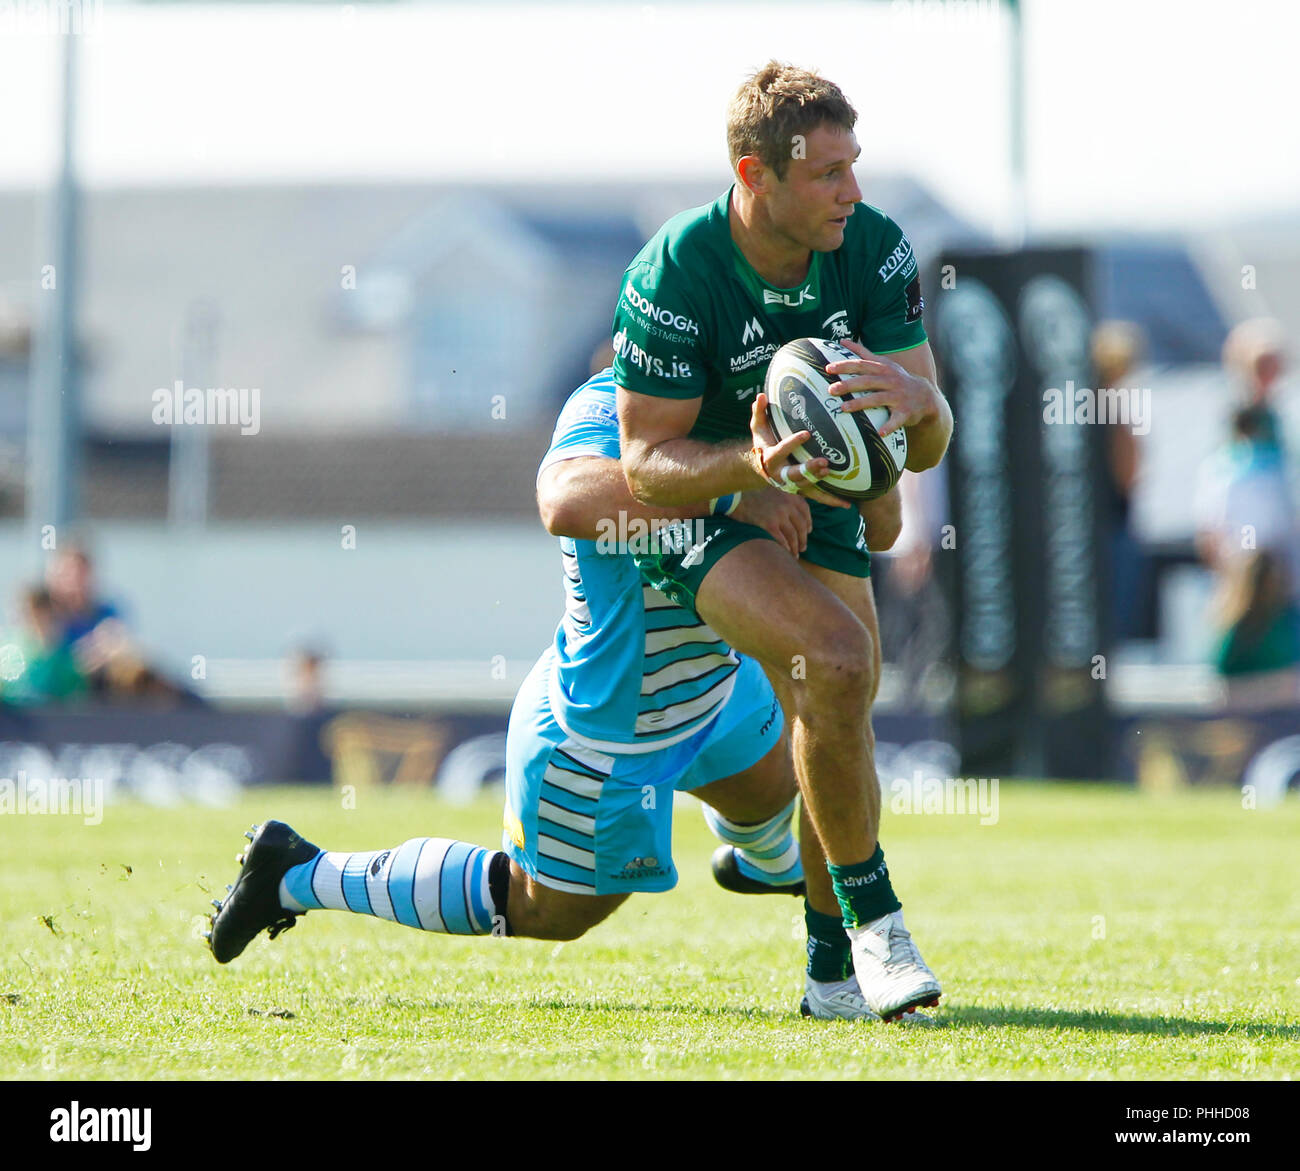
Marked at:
<point>1012,337</point>
<point>1075,418</point>
<point>979,359</point>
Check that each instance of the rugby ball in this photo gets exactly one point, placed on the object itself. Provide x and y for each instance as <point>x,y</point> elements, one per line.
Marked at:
<point>862,464</point>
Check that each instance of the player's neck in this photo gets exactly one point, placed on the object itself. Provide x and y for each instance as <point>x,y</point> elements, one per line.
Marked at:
<point>778,260</point>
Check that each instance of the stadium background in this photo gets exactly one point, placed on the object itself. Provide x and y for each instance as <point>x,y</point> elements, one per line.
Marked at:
<point>405,225</point>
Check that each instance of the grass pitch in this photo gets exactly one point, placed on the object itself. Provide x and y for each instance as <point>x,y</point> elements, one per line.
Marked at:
<point>1089,933</point>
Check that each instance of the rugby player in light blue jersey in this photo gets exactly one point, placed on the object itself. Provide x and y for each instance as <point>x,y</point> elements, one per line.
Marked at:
<point>635,700</point>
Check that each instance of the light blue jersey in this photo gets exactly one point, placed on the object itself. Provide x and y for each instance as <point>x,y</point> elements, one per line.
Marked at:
<point>632,671</point>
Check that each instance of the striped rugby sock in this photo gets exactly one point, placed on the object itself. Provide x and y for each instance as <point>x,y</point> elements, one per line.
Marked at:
<point>433,884</point>
<point>766,851</point>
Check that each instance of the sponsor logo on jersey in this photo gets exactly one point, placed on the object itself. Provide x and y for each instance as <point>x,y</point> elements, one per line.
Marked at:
<point>643,304</point>
<point>915,302</point>
<point>743,392</point>
<point>837,324</point>
<point>900,260</point>
<point>753,330</point>
<point>772,297</point>
<point>598,411</point>
<point>626,349</point>
<point>742,362</point>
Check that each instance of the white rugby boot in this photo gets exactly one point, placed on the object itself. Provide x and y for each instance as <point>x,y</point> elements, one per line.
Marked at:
<point>842,1000</point>
<point>892,976</point>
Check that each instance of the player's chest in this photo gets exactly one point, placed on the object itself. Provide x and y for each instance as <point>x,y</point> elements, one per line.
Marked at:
<point>751,325</point>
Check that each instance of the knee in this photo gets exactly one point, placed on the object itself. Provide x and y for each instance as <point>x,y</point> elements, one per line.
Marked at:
<point>844,664</point>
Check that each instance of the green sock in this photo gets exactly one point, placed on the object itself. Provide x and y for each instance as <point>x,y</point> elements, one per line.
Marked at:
<point>829,955</point>
<point>863,890</point>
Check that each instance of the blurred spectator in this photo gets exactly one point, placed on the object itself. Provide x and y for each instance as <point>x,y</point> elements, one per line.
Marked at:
<point>40,667</point>
<point>1243,499</point>
<point>1258,631</point>
<point>1117,348</point>
<point>306,670</point>
<point>317,732</point>
<point>70,577</point>
<point>92,628</point>
<point>1254,357</point>
<point>93,634</point>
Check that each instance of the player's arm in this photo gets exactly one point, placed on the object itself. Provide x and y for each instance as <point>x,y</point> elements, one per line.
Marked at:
<point>884,518</point>
<point>907,383</point>
<point>583,496</point>
<point>579,497</point>
<point>663,465</point>
<point>927,439</point>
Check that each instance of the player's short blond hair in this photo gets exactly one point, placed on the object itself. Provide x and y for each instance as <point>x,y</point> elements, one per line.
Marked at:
<point>777,103</point>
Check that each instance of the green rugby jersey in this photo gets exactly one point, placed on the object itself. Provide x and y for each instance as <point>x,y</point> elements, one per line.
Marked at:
<point>695,320</point>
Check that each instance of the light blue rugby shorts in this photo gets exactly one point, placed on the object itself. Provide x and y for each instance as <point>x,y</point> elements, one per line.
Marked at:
<point>590,822</point>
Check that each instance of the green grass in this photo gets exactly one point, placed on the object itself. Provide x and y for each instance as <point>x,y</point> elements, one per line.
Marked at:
<point>1090,933</point>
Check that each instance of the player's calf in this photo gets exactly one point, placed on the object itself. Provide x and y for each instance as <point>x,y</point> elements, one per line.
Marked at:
<point>431,884</point>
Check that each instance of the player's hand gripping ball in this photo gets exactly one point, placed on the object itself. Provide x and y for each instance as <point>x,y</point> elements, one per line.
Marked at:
<point>862,464</point>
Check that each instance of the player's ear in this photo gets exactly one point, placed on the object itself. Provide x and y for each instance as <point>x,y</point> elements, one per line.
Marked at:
<point>751,172</point>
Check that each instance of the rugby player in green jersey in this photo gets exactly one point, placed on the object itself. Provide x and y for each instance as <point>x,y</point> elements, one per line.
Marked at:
<point>789,251</point>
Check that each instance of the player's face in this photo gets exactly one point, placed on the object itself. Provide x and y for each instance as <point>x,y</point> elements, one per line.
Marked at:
<point>814,201</point>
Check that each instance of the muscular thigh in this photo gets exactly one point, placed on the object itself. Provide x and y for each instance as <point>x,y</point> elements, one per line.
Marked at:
<point>857,595</point>
<point>761,602</point>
